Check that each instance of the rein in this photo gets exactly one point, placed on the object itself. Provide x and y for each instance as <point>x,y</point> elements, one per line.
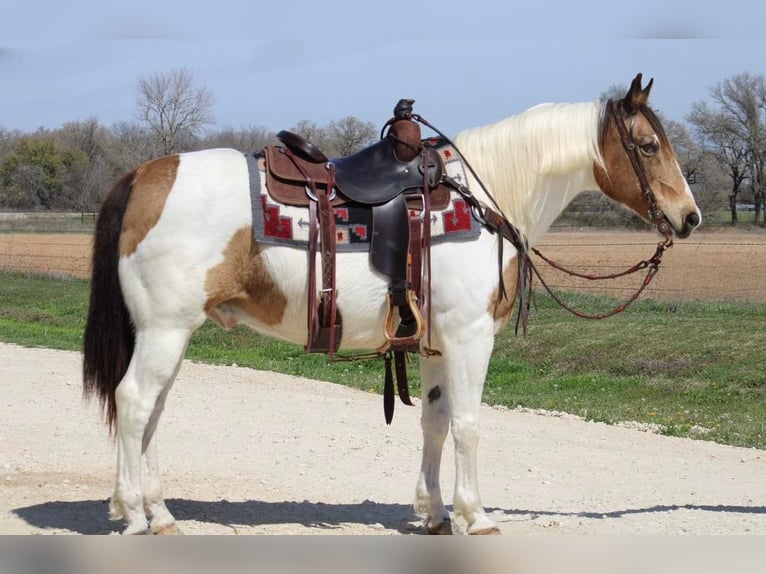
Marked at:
<point>496,221</point>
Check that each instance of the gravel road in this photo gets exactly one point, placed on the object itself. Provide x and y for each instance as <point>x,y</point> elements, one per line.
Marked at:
<point>253,452</point>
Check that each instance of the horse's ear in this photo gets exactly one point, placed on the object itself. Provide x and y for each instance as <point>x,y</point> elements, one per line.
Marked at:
<point>636,95</point>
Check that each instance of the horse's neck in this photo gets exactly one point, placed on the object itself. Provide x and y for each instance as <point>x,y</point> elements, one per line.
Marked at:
<point>536,163</point>
<point>553,195</point>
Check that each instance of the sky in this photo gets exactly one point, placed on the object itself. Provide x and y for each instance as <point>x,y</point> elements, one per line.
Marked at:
<point>271,64</point>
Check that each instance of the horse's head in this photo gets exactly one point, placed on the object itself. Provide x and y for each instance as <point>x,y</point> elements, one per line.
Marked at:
<point>640,168</point>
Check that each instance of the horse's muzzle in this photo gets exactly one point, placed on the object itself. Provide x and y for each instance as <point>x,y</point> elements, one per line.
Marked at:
<point>690,223</point>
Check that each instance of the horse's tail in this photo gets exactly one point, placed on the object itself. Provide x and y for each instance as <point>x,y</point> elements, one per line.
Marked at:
<point>109,336</point>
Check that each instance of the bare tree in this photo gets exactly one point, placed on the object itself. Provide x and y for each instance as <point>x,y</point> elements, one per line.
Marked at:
<point>173,107</point>
<point>97,143</point>
<point>717,137</point>
<point>313,133</point>
<point>349,135</point>
<point>688,152</point>
<point>253,138</point>
<point>735,132</point>
<point>614,92</point>
<point>340,137</point>
<point>133,145</point>
<point>742,99</point>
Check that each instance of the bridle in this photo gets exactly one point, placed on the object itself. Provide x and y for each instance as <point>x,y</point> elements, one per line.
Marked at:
<point>655,214</point>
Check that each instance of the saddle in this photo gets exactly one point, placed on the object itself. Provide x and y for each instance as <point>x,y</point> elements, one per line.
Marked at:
<point>400,178</point>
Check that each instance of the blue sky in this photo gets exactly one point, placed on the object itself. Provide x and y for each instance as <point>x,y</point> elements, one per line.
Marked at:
<point>465,63</point>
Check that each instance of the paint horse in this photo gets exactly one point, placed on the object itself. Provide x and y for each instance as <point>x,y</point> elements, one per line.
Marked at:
<point>174,247</point>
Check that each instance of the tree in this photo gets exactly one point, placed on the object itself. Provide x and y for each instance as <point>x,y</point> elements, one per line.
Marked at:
<point>743,99</point>
<point>7,141</point>
<point>717,138</point>
<point>614,92</point>
<point>173,107</point>
<point>738,128</point>
<point>688,152</point>
<point>340,137</point>
<point>253,138</point>
<point>96,142</point>
<point>38,173</point>
<point>735,133</point>
<point>133,145</point>
<point>349,135</point>
<point>311,132</point>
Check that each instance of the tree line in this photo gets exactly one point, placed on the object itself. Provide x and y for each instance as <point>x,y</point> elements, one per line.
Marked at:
<point>721,145</point>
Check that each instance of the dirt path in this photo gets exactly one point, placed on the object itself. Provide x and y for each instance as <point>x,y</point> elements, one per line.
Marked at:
<point>252,452</point>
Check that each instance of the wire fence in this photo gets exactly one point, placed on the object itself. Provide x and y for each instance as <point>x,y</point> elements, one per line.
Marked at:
<point>720,265</point>
<point>708,266</point>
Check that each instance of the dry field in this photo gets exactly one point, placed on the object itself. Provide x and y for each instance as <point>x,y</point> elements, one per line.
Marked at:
<point>710,265</point>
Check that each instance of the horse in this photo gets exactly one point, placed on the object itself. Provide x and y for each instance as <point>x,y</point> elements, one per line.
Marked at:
<point>173,247</point>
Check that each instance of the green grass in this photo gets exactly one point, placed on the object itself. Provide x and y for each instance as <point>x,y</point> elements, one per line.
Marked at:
<point>692,369</point>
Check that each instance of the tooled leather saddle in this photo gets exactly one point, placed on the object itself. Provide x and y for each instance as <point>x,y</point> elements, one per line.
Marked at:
<point>400,178</point>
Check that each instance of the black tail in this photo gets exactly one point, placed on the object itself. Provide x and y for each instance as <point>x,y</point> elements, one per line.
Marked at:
<point>109,336</point>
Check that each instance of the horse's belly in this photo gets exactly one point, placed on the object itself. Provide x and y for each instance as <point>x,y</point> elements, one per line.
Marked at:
<point>361,299</point>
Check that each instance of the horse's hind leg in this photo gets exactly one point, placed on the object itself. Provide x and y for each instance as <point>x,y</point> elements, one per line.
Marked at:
<point>161,520</point>
<point>435,425</point>
<point>140,398</point>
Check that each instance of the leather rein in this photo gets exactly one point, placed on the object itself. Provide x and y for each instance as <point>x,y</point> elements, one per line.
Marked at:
<point>496,221</point>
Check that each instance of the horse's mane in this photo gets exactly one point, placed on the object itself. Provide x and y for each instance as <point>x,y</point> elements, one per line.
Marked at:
<point>533,163</point>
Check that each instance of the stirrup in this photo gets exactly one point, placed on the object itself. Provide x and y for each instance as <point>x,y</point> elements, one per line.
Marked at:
<point>389,327</point>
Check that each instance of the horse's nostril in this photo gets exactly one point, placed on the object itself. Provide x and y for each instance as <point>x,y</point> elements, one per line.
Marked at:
<point>692,220</point>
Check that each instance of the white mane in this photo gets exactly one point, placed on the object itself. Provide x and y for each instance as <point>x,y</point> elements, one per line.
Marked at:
<point>536,162</point>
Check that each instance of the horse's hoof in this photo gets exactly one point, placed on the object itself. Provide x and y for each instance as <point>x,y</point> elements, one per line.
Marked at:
<point>444,527</point>
<point>492,531</point>
<point>167,530</point>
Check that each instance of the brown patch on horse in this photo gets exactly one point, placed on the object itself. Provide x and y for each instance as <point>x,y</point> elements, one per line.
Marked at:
<point>152,183</point>
<point>242,280</point>
<point>501,307</point>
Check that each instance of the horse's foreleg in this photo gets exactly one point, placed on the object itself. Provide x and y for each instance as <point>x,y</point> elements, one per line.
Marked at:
<point>466,369</point>
<point>435,424</point>
<point>140,397</point>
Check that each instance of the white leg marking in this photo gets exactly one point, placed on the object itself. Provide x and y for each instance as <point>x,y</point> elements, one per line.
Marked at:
<point>466,368</point>
<point>140,399</point>
<point>435,424</point>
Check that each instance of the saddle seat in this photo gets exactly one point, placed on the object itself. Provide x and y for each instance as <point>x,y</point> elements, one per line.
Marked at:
<point>372,176</point>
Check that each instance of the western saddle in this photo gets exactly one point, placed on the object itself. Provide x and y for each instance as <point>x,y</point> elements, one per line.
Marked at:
<point>400,178</point>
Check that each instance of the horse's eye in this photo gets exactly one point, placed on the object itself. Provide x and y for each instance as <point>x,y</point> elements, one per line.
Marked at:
<point>650,148</point>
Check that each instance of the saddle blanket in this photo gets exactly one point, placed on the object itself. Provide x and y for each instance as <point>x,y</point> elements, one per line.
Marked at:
<point>278,224</point>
